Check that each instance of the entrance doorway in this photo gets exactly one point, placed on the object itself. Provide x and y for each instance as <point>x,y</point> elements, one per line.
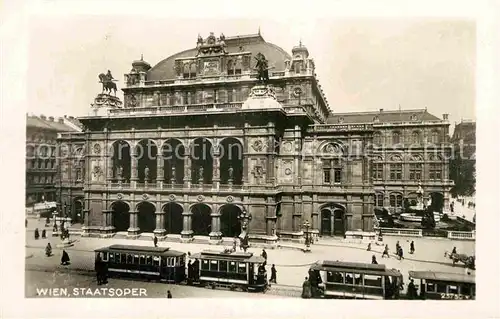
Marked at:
<point>230,224</point>
<point>326,222</point>
<point>173,218</point>
<point>121,216</point>
<point>338,222</point>
<point>146,217</point>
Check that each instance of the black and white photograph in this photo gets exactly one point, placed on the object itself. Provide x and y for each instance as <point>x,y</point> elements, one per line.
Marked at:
<point>251,157</point>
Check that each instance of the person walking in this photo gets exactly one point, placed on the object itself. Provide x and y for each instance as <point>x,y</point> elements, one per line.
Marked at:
<point>397,247</point>
<point>306,289</point>
<point>155,241</point>
<point>412,247</point>
<point>48,250</point>
<point>412,290</point>
<point>44,234</point>
<point>400,253</point>
<point>64,258</point>
<point>386,251</point>
<point>369,248</point>
<point>169,294</point>
<point>374,260</point>
<point>98,269</point>
<point>37,234</point>
<point>264,254</point>
<point>273,274</point>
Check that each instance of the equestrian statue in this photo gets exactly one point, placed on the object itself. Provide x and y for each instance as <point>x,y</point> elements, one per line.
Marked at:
<point>108,83</point>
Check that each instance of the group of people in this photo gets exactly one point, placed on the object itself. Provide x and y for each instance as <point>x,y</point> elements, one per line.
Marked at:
<point>310,286</point>
<point>101,269</point>
<point>37,234</point>
<point>193,273</point>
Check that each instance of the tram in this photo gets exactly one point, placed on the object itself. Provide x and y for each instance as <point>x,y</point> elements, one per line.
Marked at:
<point>158,263</point>
<point>441,285</point>
<point>231,270</point>
<point>349,280</point>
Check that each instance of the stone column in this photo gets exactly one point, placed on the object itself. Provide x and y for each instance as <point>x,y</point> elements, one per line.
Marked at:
<point>133,229</point>
<point>133,167</point>
<point>186,233</point>
<point>109,171</point>
<point>215,234</point>
<point>159,171</point>
<point>160,224</point>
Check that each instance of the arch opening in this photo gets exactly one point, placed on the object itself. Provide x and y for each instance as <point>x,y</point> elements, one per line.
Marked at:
<point>231,161</point>
<point>121,217</point>
<point>146,217</point>
<point>326,222</point>
<point>437,202</point>
<point>173,218</point>
<point>146,152</point>
<point>77,210</point>
<point>121,161</point>
<point>201,220</point>
<point>201,161</point>
<point>230,224</point>
<point>173,162</point>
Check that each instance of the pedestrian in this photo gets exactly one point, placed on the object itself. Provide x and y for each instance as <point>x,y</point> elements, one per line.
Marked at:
<point>37,233</point>
<point>264,254</point>
<point>273,274</point>
<point>155,241</point>
<point>26,223</point>
<point>386,251</point>
<point>412,247</point>
<point>369,247</point>
<point>48,250</point>
<point>169,294</point>
<point>44,234</point>
<point>190,273</point>
<point>64,258</point>
<point>306,289</point>
<point>397,247</point>
<point>98,269</point>
<point>400,253</point>
<point>412,290</point>
<point>47,222</point>
<point>374,260</point>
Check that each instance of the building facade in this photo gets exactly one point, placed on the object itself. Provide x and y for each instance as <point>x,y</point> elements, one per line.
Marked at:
<point>202,147</point>
<point>463,163</point>
<point>41,160</point>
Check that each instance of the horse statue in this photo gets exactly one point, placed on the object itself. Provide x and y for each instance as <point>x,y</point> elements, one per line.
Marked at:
<point>107,82</point>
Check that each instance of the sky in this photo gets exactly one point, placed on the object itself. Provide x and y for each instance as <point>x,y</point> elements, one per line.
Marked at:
<point>362,64</point>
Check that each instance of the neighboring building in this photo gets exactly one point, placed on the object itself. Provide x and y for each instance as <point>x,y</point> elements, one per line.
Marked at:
<point>41,161</point>
<point>275,152</point>
<point>463,163</point>
<point>410,148</point>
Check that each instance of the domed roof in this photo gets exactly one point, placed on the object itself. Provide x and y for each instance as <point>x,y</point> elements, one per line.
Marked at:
<point>276,56</point>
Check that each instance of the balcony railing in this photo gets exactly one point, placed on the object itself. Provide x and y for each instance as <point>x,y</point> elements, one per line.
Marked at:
<point>339,127</point>
<point>152,110</point>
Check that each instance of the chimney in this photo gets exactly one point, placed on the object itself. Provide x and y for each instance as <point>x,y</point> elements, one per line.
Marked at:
<point>51,118</point>
<point>60,120</point>
<point>445,116</point>
<point>43,117</point>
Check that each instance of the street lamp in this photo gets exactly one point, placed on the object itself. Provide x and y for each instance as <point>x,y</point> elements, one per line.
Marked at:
<point>307,225</point>
<point>244,218</point>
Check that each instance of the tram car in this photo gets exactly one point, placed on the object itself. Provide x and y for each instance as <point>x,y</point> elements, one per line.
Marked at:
<point>349,280</point>
<point>230,269</point>
<point>157,263</point>
<point>447,286</point>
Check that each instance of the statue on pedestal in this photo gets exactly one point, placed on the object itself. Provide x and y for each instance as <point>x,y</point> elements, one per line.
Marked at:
<point>108,83</point>
<point>200,175</point>
<point>172,178</point>
<point>230,174</point>
<point>262,68</point>
<point>146,174</point>
<point>420,196</point>
<point>119,173</point>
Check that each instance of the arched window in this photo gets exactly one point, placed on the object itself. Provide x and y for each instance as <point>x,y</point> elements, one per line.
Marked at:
<point>230,67</point>
<point>377,139</point>
<point>434,137</point>
<point>237,67</point>
<point>186,71</point>
<point>415,137</point>
<point>396,137</point>
<point>379,200</point>
<point>192,70</point>
<point>396,200</point>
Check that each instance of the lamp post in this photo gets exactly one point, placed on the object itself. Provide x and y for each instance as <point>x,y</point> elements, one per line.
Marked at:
<point>307,225</point>
<point>245,217</point>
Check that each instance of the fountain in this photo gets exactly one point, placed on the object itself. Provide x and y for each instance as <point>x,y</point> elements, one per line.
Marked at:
<point>417,212</point>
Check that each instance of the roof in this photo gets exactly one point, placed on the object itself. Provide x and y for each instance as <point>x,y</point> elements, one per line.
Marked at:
<point>384,116</point>
<point>236,256</point>
<point>443,276</point>
<point>276,56</point>
<point>328,265</point>
<point>145,249</point>
<point>42,122</point>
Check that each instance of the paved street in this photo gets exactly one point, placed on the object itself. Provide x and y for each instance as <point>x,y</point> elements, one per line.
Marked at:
<point>291,263</point>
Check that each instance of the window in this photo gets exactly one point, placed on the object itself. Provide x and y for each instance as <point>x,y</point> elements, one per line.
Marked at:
<point>326,176</point>
<point>415,137</point>
<point>377,139</point>
<point>142,260</point>
<point>336,277</point>
<point>337,175</point>
<point>186,71</point>
<point>230,67</point>
<point>192,70</point>
<point>431,287</point>
<point>434,137</point>
<point>230,95</point>
<point>214,265</point>
<point>396,200</point>
<point>171,99</point>
<point>205,265</point>
<point>223,265</point>
<point>396,172</point>
<point>379,200</point>
<point>185,98</point>
<point>111,257</point>
<point>358,279</point>
<point>216,96</point>
<point>232,266</point>
<point>441,287</point>
<point>396,138</point>
<point>349,279</point>
<point>156,261</point>
<point>373,280</point>
<point>378,171</point>
<point>452,289</point>
<point>435,171</point>
<point>130,259</point>
<point>242,268</point>
<point>415,171</point>
<point>465,289</point>
<point>136,259</point>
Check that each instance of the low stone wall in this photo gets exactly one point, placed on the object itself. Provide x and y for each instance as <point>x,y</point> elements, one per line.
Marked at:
<point>405,232</point>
